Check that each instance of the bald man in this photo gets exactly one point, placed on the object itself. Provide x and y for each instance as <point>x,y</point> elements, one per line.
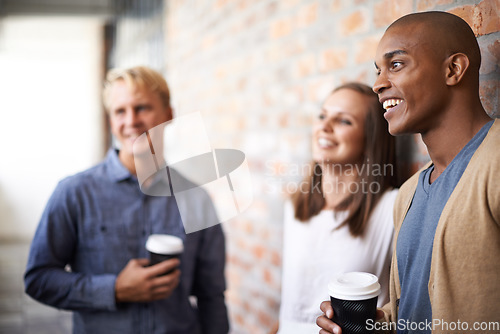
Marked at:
<point>446,264</point>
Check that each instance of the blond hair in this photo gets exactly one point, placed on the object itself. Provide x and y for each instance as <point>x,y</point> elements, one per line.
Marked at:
<point>137,77</point>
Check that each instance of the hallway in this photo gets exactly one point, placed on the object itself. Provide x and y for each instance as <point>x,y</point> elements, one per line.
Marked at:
<point>19,314</point>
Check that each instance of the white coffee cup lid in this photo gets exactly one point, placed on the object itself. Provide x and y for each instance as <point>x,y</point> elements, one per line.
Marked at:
<point>164,244</point>
<point>354,286</point>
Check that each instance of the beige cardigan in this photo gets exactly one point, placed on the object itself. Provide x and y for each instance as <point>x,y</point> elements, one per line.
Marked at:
<point>464,282</point>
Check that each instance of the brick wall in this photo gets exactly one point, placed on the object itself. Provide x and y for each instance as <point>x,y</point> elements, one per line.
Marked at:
<point>258,71</point>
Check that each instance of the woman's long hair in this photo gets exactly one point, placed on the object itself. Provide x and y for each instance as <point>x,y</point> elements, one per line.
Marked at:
<point>378,170</point>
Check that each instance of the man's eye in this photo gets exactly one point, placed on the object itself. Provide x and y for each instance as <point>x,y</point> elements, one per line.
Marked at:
<point>140,108</point>
<point>321,116</point>
<point>119,111</point>
<point>396,64</point>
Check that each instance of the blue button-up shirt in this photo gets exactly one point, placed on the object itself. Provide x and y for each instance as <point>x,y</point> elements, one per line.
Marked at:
<point>94,223</point>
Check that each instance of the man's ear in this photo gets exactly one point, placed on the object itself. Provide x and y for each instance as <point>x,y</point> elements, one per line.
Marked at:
<point>170,113</point>
<point>457,65</point>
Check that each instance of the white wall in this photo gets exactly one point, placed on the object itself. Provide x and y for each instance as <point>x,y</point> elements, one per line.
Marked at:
<point>50,112</point>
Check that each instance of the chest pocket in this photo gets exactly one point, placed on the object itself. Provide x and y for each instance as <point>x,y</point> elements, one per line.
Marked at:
<point>104,245</point>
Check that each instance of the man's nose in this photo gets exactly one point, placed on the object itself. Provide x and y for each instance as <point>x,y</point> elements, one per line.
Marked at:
<point>381,83</point>
<point>131,118</point>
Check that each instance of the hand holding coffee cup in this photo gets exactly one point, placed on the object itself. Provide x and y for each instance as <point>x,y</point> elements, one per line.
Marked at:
<point>162,247</point>
<point>353,297</point>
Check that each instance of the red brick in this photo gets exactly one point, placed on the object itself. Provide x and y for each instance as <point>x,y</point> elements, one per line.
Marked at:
<point>366,48</point>
<point>387,11</point>
<point>271,9</point>
<point>265,319</point>
<point>267,276</point>
<point>281,28</point>
<point>221,72</point>
<point>354,23</point>
<point>425,5</point>
<point>259,252</point>
<point>284,120</point>
<point>255,294</point>
<point>333,59</point>
<point>307,15</point>
<point>483,18</point>
<point>242,244</point>
<point>234,278</point>
<point>487,16</point>
<point>239,319</point>
<point>243,4</point>
<point>494,49</point>
<point>489,92</point>
<point>232,296</point>
<point>287,4</point>
<point>208,42</point>
<point>248,227</point>
<point>231,259</point>
<point>246,306</point>
<point>260,206</point>
<point>306,66</point>
<point>278,51</point>
<point>319,89</point>
<point>362,76</point>
<point>273,304</point>
<point>336,6</point>
<point>220,3</point>
<point>250,21</point>
<point>265,234</point>
<point>490,56</point>
<point>275,258</point>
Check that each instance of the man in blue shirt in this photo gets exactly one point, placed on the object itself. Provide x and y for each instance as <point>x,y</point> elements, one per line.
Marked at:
<point>88,254</point>
<point>444,275</point>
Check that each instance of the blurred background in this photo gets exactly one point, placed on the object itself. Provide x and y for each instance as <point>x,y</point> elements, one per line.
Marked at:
<point>258,72</point>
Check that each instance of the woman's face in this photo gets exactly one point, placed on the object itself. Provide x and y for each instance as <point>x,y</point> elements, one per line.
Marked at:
<point>339,130</point>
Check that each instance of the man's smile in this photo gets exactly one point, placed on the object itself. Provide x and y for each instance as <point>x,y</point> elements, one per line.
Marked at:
<point>391,103</point>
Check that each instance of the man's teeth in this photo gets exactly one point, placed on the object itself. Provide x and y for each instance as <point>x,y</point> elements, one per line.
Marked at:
<point>323,142</point>
<point>391,103</point>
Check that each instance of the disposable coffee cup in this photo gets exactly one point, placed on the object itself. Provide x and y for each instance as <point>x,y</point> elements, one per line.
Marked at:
<point>354,301</point>
<point>162,247</point>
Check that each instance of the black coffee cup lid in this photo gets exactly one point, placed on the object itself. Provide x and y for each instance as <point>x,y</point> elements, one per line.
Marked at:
<point>164,244</point>
<point>354,286</point>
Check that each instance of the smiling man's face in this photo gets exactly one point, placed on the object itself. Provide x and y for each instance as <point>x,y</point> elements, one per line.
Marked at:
<point>411,78</point>
<point>132,112</point>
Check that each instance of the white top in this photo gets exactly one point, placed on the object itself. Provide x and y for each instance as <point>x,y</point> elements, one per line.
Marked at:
<point>164,244</point>
<point>314,252</point>
<point>354,285</point>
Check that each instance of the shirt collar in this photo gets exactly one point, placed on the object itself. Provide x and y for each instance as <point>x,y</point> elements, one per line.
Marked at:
<point>116,170</point>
